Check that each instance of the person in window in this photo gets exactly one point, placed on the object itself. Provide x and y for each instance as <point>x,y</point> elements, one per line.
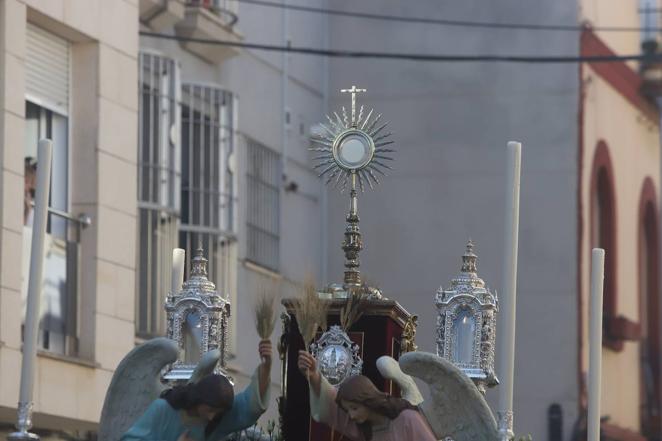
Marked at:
<point>207,410</point>
<point>29,189</point>
<point>359,410</point>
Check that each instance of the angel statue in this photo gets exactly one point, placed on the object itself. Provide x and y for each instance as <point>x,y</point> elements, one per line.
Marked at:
<point>139,408</point>
<point>456,410</point>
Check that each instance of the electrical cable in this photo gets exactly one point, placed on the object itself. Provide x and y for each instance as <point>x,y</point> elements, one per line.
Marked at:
<point>338,53</point>
<point>445,22</point>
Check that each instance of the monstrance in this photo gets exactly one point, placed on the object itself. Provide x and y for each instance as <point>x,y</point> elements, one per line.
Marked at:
<point>353,151</point>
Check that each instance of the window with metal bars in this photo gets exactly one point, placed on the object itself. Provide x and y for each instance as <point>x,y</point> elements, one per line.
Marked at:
<point>158,186</point>
<point>263,176</point>
<point>208,202</point>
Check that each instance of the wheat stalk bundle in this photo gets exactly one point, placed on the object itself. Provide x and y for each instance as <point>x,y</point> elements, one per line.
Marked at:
<point>353,310</point>
<point>265,319</point>
<point>310,312</point>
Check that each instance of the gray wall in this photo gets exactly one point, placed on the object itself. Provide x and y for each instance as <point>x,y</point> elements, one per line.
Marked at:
<point>451,123</point>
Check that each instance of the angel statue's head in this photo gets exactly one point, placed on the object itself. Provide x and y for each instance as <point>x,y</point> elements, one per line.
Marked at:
<point>207,400</point>
<point>366,405</point>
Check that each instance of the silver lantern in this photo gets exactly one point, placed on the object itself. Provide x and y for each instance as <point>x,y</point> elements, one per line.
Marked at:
<point>466,323</point>
<point>197,319</point>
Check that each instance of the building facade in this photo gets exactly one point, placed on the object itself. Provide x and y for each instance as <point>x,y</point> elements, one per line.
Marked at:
<point>157,144</point>
<point>69,75</point>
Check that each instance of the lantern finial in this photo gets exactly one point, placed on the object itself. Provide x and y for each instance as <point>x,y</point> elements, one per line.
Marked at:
<point>469,259</point>
<point>199,267</point>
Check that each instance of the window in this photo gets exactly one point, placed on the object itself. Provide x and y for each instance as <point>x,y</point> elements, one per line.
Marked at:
<point>46,110</point>
<point>208,201</point>
<point>603,235</point>
<point>649,347</point>
<point>158,187</point>
<point>648,20</point>
<point>263,177</point>
<point>603,232</point>
<point>616,328</point>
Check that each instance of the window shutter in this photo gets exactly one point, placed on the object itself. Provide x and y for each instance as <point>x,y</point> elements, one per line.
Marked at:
<point>47,69</point>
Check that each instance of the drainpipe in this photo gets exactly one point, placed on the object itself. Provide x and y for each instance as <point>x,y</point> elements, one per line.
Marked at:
<point>284,89</point>
<point>324,195</point>
<point>284,113</point>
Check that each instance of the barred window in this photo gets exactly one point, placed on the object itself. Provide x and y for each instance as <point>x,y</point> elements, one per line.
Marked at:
<point>158,187</point>
<point>263,178</point>
<point>208,178</point>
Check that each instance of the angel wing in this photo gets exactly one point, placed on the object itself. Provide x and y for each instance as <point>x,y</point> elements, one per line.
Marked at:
<point>135,384</point>
<point>456,408</point>
<point>206,365</point>
<point>390,369</point>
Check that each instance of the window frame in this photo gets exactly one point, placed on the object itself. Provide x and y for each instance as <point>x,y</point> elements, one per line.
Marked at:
<point>218,235</point>
<point>158,216</point>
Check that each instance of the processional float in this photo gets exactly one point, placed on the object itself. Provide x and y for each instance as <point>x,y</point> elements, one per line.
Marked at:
<point>380,343</point>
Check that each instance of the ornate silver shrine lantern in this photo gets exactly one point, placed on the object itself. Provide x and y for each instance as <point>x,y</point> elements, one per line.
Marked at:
<point>197,320</point>
<point>466,324</point>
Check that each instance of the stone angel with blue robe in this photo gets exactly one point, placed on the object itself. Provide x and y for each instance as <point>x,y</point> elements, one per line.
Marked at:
<point>137,408</point>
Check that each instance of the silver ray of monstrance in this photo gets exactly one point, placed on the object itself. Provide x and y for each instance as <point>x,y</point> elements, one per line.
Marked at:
<point>352,152</point>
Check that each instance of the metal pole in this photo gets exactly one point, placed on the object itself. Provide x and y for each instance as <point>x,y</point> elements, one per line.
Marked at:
<point>25,403</point>
<point>507,348</point>
<point>286,115</point>
<point>595,343</point>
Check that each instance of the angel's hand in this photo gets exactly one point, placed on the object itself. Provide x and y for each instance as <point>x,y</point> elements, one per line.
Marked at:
<point>306,363</point>
<point>308,367</point>
<point>264,369</point>
<point>266,352</point>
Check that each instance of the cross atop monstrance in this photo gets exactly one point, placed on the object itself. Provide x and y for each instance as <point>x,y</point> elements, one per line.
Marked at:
<point>353,91</point>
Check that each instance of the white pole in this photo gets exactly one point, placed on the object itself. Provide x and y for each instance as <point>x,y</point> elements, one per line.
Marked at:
<point>506,369</point>
<point>34,292</point>
<point>178,261</point>
<point>595,343</point>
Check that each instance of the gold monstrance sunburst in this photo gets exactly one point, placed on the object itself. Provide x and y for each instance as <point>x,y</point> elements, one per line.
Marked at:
<point>352,151</point>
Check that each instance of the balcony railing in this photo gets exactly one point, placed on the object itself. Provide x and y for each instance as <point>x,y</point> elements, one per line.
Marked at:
<point>226,10</point>
<point>58,326</point>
